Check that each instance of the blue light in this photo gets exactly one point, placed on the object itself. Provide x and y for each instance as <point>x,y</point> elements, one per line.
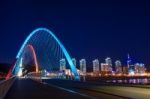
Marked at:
<point>73,68</point>
<point>131,72</point>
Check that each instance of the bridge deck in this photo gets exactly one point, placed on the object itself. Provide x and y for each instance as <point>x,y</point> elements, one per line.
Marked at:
<point>28,89</point>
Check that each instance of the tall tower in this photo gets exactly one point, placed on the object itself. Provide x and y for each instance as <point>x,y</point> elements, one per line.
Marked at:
<point>128,61</point>
<point>83,65</point>
<point>108,61</point>
<point>96,65</point>
<point>62,64</point>
<point>131,67</point>
<point>118,66</point>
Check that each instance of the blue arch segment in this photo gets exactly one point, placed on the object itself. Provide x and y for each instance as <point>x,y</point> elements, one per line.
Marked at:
<point>73,68</point>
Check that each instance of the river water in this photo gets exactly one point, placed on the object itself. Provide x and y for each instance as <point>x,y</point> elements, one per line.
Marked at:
<point>131,81</point>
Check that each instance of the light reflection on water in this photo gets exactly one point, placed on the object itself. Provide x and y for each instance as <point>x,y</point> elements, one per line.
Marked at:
<point>131,81</point>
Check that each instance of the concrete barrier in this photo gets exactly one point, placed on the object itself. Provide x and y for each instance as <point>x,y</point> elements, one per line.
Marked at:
<point>5,85</point>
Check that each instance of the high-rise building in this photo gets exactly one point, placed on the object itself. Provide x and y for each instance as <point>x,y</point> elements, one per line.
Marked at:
<point>118,66</point>
<point>108,61</point>
<point>128,62</point>
<point>117,63</point>
<point>83,65</point>
<point>62,64</point>
<point>104,67</point>
<point>142,68</point>
<point>139,68</point>
<point>131,70</point>
<point>96,65</point>
<point>130,66</point>
<point>125,70</point>
<point>74,62</point>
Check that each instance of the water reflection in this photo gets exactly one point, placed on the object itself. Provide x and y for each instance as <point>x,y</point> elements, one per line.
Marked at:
<point>131,81</point>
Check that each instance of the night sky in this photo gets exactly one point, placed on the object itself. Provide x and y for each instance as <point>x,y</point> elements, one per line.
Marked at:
<point>88,29</point>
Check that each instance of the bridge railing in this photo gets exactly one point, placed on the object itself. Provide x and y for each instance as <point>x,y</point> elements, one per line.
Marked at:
<point>5,85</point>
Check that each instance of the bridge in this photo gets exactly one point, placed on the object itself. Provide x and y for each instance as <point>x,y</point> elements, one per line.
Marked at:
<point>36,74</point>
<point>41,50</point>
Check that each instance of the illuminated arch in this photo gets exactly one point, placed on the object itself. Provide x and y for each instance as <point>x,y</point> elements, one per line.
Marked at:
<point>73,68</point>
<point>35,58</point>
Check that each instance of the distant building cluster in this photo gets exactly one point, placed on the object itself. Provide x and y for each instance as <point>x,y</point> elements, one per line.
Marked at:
<point>108,67</point>
<point>137,68</point>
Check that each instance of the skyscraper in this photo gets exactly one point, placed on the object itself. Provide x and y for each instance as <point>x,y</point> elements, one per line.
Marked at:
<point>131,68</point>
<point>118,66</point>
<point>139,68</point>
<point>83,65</point>
<point>108,61</point>
<point>96,65</point>
<point>62,64</point>
<point>128,61</point>
<point>104,67</point>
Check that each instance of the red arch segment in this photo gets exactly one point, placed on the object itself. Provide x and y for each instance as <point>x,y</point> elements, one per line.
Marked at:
<point>35,58</point>
<point>9,74</point>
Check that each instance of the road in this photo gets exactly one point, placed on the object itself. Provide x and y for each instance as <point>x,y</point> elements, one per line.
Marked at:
<point>102,91</point>
<point>131,92</point>
<point>83,87</point>
<point>56,89</point>
<point>28,89</point>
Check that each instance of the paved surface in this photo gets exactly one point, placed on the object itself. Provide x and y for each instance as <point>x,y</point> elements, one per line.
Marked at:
<point>28,89</point>
<point>102,91</point>
<point>131,92</point>
<point>83,87</point>
<point>56,89</point>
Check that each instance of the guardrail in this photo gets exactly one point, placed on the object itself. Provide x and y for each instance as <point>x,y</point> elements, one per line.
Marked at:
<point>5,85</point>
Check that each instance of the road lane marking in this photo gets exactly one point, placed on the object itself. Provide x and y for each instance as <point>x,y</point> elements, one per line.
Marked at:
<point>68,90</point>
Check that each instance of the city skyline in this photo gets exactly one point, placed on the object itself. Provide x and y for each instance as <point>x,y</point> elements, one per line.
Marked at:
<point>82,49</point>
<point>108,30</point>
<point>113,62</point>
